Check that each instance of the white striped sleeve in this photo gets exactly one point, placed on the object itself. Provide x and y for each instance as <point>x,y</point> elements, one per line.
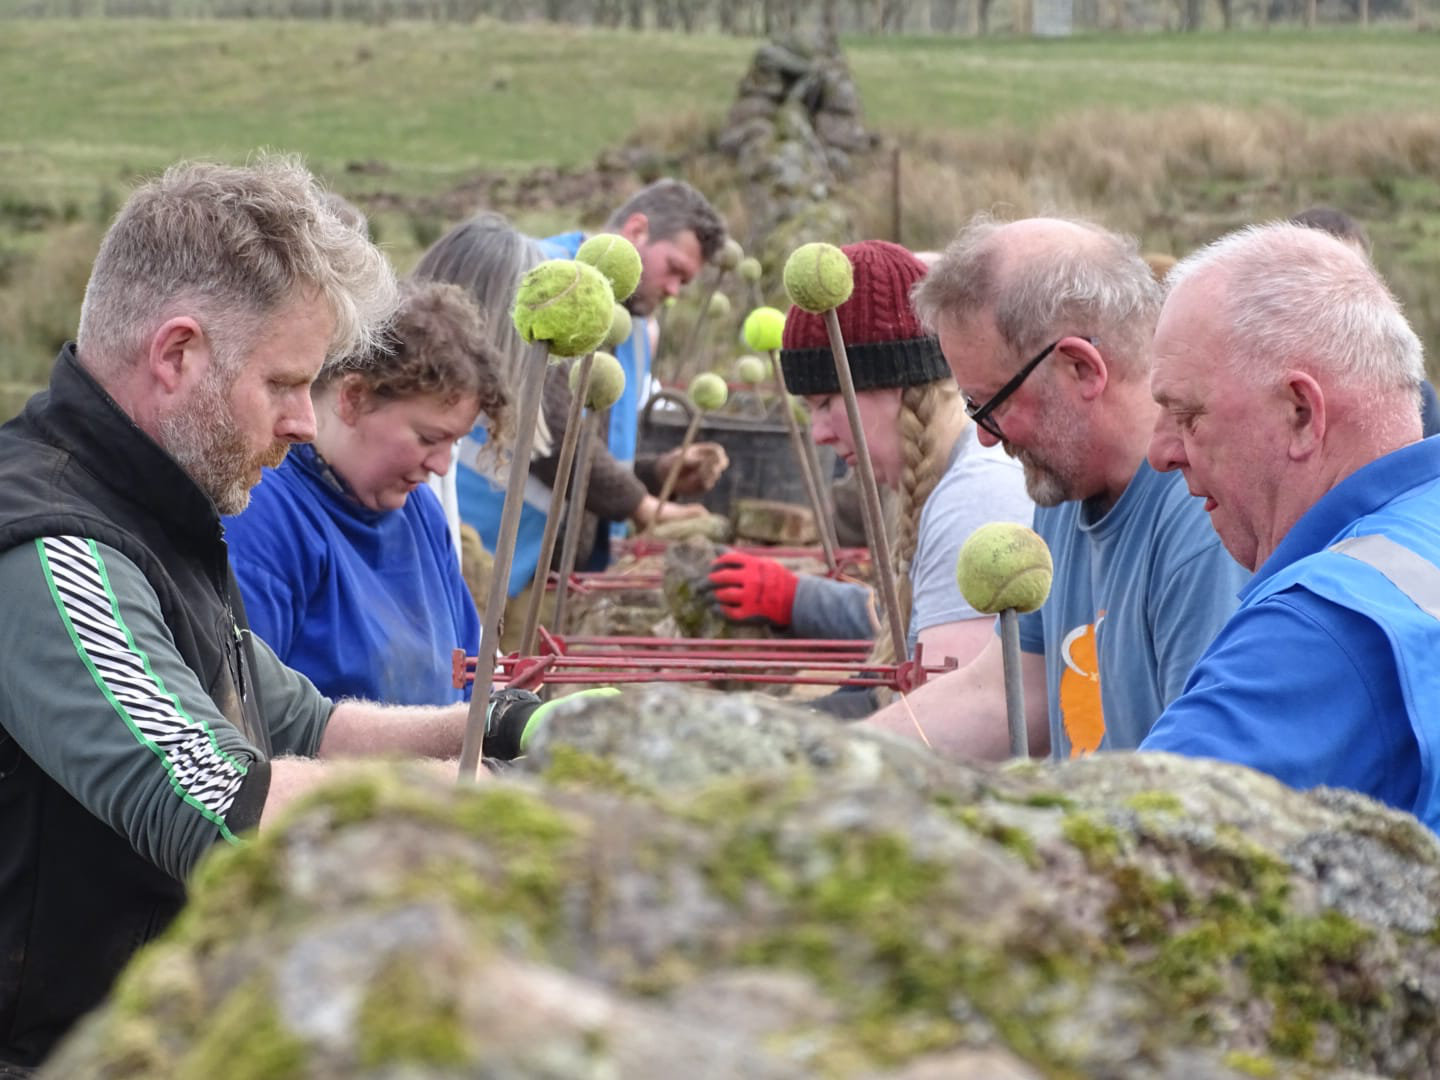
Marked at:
<point>105,705</point>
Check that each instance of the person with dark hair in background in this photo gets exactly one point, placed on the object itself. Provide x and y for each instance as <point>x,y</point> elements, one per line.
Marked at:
<point>677,232</point>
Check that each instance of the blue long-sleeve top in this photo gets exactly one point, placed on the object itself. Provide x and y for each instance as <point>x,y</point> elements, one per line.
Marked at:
<point>366,603</point>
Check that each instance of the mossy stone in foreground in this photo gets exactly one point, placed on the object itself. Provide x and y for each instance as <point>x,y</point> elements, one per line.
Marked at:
<point>672,878</point>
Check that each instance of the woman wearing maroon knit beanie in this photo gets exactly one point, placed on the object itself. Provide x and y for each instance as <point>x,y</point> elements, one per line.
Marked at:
<point>923,448</point>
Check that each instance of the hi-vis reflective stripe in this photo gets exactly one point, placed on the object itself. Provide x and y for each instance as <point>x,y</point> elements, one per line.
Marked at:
<point>1414,575</point>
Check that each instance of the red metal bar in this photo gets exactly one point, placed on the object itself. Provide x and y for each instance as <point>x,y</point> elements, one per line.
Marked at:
<point>686,660</point>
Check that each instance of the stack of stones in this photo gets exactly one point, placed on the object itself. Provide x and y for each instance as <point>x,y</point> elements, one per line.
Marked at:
<point>793,132</point>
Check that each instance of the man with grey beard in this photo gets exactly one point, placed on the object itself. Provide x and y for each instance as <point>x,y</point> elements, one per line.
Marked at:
<point>141,724</point>
<point>1046,325</point>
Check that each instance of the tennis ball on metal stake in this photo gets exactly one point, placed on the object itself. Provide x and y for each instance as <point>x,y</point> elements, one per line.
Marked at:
<point>607,381</point>
<point>819,277</point>
<point>750,269</point>
<point>567,304</point>
<point>620,327</point>
<point>616,258</point>
<point>763,329</point>
<point>719,305</point>
<point>751,369</point>
<point>708,391</point>
<point>1004,565</point>
<point>729,255</point>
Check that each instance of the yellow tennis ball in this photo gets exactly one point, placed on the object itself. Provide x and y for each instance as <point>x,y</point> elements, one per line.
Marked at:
<point>566,304</point>
<point>764,327</point>
<point>729,255</point>
<point>708,391</point>
<point>1003,565</point>
<point>620,327</point>
<point>751,369</point>
<point>607,381</point>
<point>819,277</point>
<point>719,305</point>
<point>616,258</point>
<point>750,269</point>
<point>799,410</point>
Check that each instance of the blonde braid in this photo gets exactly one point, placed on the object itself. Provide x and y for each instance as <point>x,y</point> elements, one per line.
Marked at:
<point>926,441</point>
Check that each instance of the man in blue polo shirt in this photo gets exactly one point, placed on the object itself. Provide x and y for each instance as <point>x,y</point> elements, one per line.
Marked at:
<point>676,231</point>
<point>1288,382</point>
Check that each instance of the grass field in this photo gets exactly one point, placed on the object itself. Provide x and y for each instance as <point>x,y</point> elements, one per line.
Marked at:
<point>434,102</point>
<point>414,109</point>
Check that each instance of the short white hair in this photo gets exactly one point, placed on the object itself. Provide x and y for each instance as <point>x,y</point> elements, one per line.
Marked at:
<point>1298,297</point>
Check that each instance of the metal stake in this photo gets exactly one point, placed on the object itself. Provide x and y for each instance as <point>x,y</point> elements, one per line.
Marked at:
<point>1014,686</point>
<point>869,491</point>
<point>471,748</point>
<point>802,454</point>
<point>571,548</point>
<point>557,507</point>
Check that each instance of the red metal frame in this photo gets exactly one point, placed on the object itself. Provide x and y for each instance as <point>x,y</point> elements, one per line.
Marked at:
<point>608,661</point>
<point>848,561</point>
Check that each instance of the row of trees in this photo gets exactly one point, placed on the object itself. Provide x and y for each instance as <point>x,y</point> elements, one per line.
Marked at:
<point>767,17</point>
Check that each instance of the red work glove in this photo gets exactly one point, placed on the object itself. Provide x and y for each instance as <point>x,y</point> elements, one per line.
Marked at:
<point>751,589</point>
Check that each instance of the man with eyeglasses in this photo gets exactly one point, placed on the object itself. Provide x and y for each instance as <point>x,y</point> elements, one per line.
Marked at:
<point>1046,325</point>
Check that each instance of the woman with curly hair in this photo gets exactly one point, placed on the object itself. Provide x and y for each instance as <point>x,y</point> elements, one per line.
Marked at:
<point>344,557</point>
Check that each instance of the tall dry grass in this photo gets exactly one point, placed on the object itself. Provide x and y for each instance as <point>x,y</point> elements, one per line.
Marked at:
<point>1177,178</point>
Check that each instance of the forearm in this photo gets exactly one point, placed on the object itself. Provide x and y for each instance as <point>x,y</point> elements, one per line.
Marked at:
<point>292,778</point>
<point>829,609</point>
<point>366,729</point>
<point>976,727</point>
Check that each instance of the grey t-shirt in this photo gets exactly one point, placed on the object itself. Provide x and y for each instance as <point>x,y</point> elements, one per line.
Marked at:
<point>981,484</point>
<point>96,693</point>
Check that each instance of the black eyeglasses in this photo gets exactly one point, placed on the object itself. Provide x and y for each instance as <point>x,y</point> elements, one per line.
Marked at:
<point>981,413</point>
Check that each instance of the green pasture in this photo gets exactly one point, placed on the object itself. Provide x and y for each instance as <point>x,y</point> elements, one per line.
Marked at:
<point>93,102</point>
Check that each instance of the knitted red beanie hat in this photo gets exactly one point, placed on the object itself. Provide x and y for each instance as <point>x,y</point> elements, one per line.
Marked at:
<point>883,338</point>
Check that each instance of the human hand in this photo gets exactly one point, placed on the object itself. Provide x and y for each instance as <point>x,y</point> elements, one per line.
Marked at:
<point>515,717</point>
<point>651,510</point>
<point>751,588</point>
<point>700,467</point>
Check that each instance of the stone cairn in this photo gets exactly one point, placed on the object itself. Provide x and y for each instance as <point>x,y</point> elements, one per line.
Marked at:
<point>793,132</point>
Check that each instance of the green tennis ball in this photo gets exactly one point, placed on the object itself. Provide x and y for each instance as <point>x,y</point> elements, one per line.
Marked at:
<point>668,302</point>
<point>819,277</point>
<point>1003,565</point>
<point>708,391</point>
<point>763,329</point>
<point>616,258</point>
<point>607,381</point>
<point>750,269</point>
<point>729,255</point>
<point>751,369</point>
<point>719,305</point>
<point>620,327</point>
<point>566,304</point>
<point>799,410</point>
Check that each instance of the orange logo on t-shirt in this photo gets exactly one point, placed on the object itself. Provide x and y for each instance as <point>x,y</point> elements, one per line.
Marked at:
<point>1080,709</point>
